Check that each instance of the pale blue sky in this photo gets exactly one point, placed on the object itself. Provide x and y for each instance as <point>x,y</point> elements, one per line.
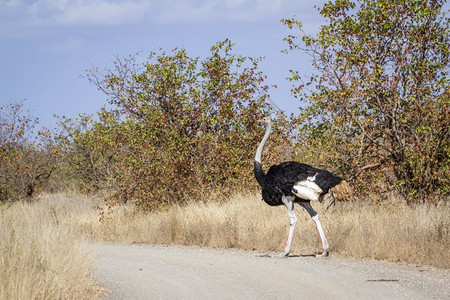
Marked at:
<point>46,45</point>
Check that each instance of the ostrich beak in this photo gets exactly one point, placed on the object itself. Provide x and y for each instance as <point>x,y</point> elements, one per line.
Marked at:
<point>261,121</point>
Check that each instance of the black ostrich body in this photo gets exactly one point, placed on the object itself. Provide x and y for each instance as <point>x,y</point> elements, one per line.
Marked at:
<point>280,180</point>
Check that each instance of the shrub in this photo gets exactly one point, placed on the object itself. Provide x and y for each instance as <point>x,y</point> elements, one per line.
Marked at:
<point>179,127</point>
<point>379,98</point>
<point>26,160</point>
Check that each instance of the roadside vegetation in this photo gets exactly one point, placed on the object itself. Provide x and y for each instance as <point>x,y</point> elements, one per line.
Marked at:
<point>43,253</point>
<point>170,160</point>
<point>391,231</point>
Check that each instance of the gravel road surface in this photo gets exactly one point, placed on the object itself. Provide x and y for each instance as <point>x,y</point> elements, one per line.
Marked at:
<point>176,272</point>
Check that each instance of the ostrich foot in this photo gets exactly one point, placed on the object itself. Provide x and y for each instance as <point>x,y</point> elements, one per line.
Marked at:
<point>324,254</point>
<point>280,255</point>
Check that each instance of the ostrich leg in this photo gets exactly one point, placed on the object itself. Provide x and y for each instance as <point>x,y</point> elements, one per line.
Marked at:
<point>315,218</point>
<point>289,203</point>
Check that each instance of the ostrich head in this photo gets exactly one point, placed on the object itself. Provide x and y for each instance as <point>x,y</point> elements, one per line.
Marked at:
<point>266,121</point>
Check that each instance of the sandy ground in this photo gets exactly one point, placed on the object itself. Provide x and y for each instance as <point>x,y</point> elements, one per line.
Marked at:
<point>176,272</point>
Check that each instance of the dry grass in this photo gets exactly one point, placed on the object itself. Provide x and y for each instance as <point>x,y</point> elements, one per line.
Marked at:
<point>393,232</point>
<point>42,253</point>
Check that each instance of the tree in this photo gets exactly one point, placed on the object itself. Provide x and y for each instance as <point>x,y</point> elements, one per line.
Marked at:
<point>88,151</point>
<point>26,160</point>
<point>185,126</point>
<point>380,95</point>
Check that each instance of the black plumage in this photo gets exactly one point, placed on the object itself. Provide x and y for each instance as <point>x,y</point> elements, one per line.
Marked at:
<point>280,179</point>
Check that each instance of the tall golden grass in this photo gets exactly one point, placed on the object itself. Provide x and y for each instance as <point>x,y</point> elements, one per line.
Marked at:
<point>390,231</point>
<point>42,252</point>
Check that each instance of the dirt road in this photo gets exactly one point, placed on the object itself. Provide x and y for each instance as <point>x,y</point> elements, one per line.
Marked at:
<point>175,272</point>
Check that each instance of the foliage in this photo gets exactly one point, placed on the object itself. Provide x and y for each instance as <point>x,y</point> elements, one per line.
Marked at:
<point>26,161</point>
<point>88,152</point>
<point>179,126</point>
<point>380,93</point>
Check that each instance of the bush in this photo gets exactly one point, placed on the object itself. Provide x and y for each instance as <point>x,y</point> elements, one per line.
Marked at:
<point>379,99</point>
<point>26,160</point>
<point>179,127</point>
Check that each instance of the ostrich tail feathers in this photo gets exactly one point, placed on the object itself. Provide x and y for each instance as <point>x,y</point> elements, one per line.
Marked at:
<point>342,191</point>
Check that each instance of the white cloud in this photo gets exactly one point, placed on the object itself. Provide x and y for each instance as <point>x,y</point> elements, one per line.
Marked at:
<point>216,10</point>
<point>88,12</point>
<point>23,18</point>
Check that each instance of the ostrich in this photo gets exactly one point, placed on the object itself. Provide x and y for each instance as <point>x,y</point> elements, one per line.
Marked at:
<point>293,182</point>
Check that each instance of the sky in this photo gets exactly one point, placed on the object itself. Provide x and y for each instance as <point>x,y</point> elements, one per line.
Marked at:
<point>46,46</point>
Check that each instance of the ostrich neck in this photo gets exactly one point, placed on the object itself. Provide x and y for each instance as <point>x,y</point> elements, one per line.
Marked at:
<point>261,145</point>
